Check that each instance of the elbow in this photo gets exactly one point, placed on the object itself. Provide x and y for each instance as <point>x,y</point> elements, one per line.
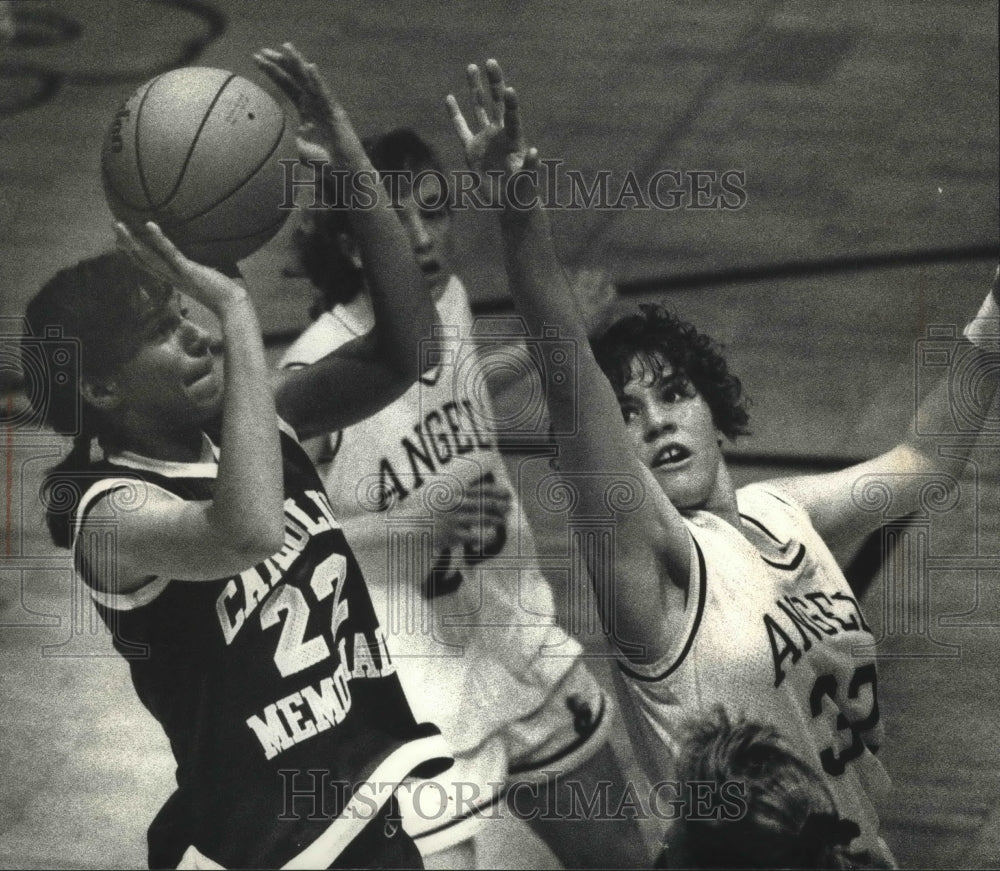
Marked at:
<point>406,362</point>
<point>255,543</point>
<point>269,538</point>
<point>253,551</point>
<point>401,377</point>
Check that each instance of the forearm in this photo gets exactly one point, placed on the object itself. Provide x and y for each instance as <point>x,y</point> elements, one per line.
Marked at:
<point>404,313</point>
<point>247,504</point>
<point>940,413</point>
<point>544,298</point>
<point>369,531</point>
<point>975,358</point>
<point>538,282</point>
<point>936,444</point>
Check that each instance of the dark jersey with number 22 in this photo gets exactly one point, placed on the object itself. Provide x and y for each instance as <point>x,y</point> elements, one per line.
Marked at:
<point>286,718</point>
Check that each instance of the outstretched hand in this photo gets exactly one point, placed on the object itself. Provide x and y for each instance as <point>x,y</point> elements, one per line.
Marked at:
<point>497,143</point>
<point>153,252</point>
<point>325,132</point>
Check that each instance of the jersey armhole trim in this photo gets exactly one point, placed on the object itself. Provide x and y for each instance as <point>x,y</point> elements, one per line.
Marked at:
<point>153,586</point>
<point>792,562</point>
<point>781,496</point>
<point>333,442</point>
<point>663,668</point>
<point>285,427</point>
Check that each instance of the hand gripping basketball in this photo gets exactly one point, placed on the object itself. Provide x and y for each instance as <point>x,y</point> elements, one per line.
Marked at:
<point>153,252</point>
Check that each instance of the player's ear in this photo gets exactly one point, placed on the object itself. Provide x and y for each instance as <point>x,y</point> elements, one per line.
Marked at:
<point>349,248</point>
<point>102,393</point>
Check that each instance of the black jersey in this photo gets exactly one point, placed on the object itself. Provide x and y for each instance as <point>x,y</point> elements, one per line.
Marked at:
<point>275,687</point>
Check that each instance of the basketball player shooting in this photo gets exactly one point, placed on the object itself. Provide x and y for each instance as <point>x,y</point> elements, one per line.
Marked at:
<point>711,595</point>
<point>227,583</point>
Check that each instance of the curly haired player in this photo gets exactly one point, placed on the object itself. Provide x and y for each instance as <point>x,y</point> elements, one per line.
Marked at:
<point>711,595</point>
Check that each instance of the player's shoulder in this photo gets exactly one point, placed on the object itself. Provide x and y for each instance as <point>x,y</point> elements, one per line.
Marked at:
<point>769,496</point>
<point>767,503</point>
<point>322,336</point>
<point>129,482</point>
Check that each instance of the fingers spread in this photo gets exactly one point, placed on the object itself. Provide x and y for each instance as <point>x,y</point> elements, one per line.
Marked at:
<point>292,52</point>
<point>279,76</point>
<point>512,120</point>
<point>458,120</point>
<point>495,76</point>
<point>475,81</point>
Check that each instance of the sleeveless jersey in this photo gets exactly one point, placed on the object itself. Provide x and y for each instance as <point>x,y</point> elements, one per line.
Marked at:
<point>774,634</point>
<point>275,687</point>
<point>473,630</point>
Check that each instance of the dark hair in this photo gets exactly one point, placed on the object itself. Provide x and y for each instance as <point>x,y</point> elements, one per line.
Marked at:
<point>787,819</point>
<point>316,237</point>
<point>96,309</point>
<point>655,335</point>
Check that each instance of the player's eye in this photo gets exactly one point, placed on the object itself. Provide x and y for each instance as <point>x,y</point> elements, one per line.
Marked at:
<point>165,326</point>
<point>629,413</point>
<point>675,389</point>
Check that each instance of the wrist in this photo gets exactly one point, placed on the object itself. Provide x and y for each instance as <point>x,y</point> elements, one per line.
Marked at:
<point>518,224</point>
<point>234,308</point>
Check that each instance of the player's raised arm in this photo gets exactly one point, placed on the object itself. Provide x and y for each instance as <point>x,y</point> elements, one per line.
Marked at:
<point>368,373</point>
<point>243,522</point>
<point>832,500</point>
<point>651,538</point>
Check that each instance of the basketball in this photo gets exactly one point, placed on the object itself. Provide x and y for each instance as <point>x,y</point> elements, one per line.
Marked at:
<point>197,150</point>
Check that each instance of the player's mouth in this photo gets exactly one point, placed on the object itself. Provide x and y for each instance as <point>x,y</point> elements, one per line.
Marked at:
<point>432,270</point>
<point>202,373</point>
<point>671,456</point>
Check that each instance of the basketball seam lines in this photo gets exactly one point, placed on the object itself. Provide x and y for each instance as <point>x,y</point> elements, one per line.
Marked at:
<point>106,174</point>
<point>229,193</point>
<point>194,142</point>
<point>138,153</point>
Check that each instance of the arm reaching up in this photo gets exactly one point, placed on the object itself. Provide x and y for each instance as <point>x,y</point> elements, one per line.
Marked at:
<point>243,522</point>
<point>641,613</point>
<point>368,373</point>
<point>831,499</point>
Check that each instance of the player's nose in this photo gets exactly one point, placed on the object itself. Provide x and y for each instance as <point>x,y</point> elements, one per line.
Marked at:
<point>660,418</point>
<point>197,340</point>
<point>420,238</point>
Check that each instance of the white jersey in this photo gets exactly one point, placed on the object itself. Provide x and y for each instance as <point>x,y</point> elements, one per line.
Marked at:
<point>774,634</point>
<point>485,650</point>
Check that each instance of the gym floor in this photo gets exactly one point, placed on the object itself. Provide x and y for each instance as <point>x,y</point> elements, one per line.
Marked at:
<point>868,135</point>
